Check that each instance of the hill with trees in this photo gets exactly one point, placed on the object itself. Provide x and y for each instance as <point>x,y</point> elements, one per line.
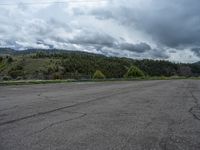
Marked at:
<point>61,64</point>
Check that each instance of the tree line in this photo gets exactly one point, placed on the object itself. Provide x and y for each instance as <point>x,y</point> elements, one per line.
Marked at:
<point>86,65</point>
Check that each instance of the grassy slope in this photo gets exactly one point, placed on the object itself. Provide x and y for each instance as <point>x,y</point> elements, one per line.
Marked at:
<point>32,65</point>
<point>28,82</point>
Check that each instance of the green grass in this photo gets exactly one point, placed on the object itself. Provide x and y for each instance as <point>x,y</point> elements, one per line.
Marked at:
<point>2,66</point>
<point>31,65</point>
<point>26,82</point>
<point>29,82</point>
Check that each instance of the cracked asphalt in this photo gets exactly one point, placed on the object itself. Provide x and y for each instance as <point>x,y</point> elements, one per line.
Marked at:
<point>136,115</point>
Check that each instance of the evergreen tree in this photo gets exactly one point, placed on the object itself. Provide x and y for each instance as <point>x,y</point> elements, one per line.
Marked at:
<point>98,75</point>
<point>134,72</point>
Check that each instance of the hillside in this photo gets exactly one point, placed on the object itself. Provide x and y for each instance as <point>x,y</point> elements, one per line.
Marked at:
<point>61,64</point>
<point>197,63</point>
<point>7,51</point>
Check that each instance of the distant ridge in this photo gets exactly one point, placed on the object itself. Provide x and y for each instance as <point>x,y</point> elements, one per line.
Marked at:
<point>66,64</point>
<point>197,63</point>
<point>9,51</point>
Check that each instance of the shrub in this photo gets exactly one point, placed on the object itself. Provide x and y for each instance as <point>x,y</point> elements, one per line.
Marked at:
<point>1,59</point>
<point>6,78</point>
<point>19,78</point>
<point>98,75</point>
<point>57,76</point>
<point>163,78</point>
<point>16,73</point>
<point>9,59</point>
<point>40,55</point>
<point>18,67</point>
<point>50,69</point>
<point>134,72</point>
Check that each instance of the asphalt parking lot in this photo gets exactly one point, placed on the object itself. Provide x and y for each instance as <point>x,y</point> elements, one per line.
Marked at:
<point>136,115</point>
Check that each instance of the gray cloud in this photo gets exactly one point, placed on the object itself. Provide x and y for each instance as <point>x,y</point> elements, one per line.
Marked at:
<point>137,29</point>
<point>140,48</point>
<point>159,54</point>
<point>100,40</point>
<point>173,23</point>
<point>93,38</point>
<point>196,51</point>
<point>102,14</point>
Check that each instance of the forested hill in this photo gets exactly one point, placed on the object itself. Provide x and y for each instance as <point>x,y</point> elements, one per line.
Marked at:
<point>197,63</point>
<point>61,64</point>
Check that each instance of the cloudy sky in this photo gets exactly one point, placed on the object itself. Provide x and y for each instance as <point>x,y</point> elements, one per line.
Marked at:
<point>156,29</point>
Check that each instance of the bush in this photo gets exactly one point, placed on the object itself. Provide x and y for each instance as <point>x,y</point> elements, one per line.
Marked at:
<point>1,59</point>
<point>6,78</point>
<point>163,78</point>
<point>134,72</point>
<point>98,75</point>
<point>57,76</point>
<point>16,73</point>
<point>19,78</point>
<point>18,67</point>
<point>9,59</point>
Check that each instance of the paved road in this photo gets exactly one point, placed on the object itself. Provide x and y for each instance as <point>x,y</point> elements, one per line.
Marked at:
<point>142,115</point>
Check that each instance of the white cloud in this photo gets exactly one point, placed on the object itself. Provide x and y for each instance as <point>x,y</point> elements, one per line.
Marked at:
<point>160,24</point>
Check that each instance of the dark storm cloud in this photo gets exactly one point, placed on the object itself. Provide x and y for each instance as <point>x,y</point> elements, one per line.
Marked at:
<point>93,38</point>
<point>196,51</point>
<point>140,48</point>
<point>172,23</point>
<point>172,51</point>
<point>159,54</point>
<point>128,28</point>
<point>174,27</point>
<point>101,40</point>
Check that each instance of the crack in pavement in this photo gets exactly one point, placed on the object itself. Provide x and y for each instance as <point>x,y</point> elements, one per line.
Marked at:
<point>195,110</point>
<point>194,97</point>
<point>173,141</point>
<point>59,122</point>
<point>58,109</point>
<point>50,111</point>
<point>119,91</point>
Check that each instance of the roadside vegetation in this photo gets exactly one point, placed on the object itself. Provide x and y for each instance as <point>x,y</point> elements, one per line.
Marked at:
<point>134,72</point>
<point>99,75</point>
<point>61,65</point>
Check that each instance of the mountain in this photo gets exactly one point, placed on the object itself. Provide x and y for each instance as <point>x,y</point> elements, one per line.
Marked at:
<point>64,64</point>
<point>197,63</point>
<point>7,51</point>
